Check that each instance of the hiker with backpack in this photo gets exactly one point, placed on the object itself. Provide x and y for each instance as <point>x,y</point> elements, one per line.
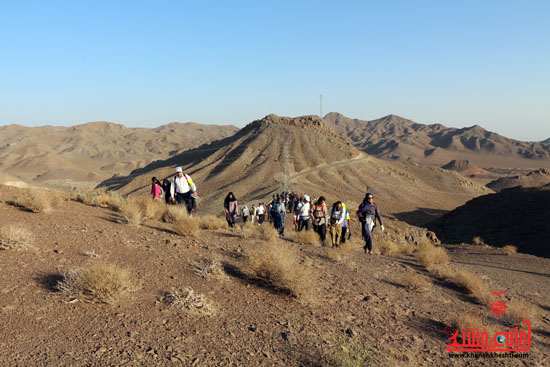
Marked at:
<point>319,211</point>
<point>260,210</point>
<point>337,217</point>
<point>367,214</point>
<point>156,189</point>
<point>245,213</point>
<point>231,209</point>
<point>278,212</point>
<point>183,190</point>
<point>303,210</point>
<point>346,228</point>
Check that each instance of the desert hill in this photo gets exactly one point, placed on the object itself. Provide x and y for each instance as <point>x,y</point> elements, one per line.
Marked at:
<point>516,216</point>
<point>87,154</point>
<point>468,169</point>
<point>394,137</point>
<point>303,155</point>
<point>536,178</point>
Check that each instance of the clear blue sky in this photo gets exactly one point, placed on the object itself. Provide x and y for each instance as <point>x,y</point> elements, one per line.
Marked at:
<point>147,63</point>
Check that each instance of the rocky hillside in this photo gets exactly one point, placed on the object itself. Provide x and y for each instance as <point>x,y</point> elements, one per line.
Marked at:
<point>516,216</point>
<point>535,178</point>
<point>304,155</point>
<point>394,137</point>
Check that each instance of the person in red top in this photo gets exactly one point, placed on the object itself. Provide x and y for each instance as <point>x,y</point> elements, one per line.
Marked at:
<point>156,189</point>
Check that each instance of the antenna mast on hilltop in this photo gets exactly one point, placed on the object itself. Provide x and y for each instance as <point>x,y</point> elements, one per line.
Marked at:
<point>321,106</point>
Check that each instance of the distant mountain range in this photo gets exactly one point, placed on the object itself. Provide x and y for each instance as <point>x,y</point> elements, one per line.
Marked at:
<point>394,137</point>
<point>87,154</point>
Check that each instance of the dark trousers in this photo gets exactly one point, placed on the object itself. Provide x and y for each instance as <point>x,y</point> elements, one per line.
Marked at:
<point>344,231</point>
<point>321,229</point>
<point>367,236</point>
<point>245,218</point>
<point>279,223</point>
<point>261,218</point>
<point>187,200</point>
<point>303,223</point>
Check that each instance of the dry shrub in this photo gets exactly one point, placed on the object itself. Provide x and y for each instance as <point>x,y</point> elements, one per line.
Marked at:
<point>277,265</point>
<point>417,282</point>
<point>477,241</point>
<point>211,267</point>
<point>510,250</point>
<point>100,283</point>
<point>264,232</point>
<point>152,209</point>
<point>429,255</point>
<point>307,238</point>
<point>464,320</point>
<point>212,222</point>
<point>102,198</point>
<point>472,283</point>
<point>191,301</point>
<point>518,310</point>
<point>357,352</point>
<point>37,201</point>
<point>15,237</point>
<point>441,271</point>
<point>187,226</point>
<point>132,211</point>
<point>173,213</point>
<point>390,248</point>
<point>247,230</point>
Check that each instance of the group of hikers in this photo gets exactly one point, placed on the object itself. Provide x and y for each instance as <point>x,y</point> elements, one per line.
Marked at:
<point>308,213</point>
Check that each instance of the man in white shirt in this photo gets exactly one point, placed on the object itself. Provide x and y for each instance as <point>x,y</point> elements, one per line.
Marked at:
<point>183,190</point>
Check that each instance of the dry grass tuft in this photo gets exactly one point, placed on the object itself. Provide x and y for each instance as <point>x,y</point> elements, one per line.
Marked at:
<point>37,201</point>
<point>441,271</point>
<point>357,352</point>
<point>510,250</point>
<point>417,282</point>
<point>390,248</point>
<point>264,232</point>
<point>429,255</point>
<point>212,222</point>
<point>191,301</point>
<point>102,198</point>
<point>15,237</point>
<point>101,283</point>
<point>211,267</point>
<point>277,265</point>
<point>464,320</point>
<point>306,238</point>
<point>173,213</point>
<point>152,209</point>
<point>132,211</point>
<point>478,241</point>
<point>518,310</point>
<point>472,283</point>
<point>187,226</point>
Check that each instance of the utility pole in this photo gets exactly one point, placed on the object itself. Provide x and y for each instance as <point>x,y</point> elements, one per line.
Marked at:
<point>321,106</point>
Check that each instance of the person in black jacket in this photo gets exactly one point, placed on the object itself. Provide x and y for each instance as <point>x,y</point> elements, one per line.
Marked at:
<point>367,214</point>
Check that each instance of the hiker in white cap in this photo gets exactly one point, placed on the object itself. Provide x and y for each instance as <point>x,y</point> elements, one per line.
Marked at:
<point>183,190</point>
<point>303,210</point>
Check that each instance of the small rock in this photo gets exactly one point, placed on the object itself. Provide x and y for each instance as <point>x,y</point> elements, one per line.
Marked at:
<point>351,332</point>
<point>289,337</point>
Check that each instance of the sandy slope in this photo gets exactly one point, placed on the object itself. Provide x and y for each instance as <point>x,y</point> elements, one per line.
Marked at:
<point>253,325</point>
